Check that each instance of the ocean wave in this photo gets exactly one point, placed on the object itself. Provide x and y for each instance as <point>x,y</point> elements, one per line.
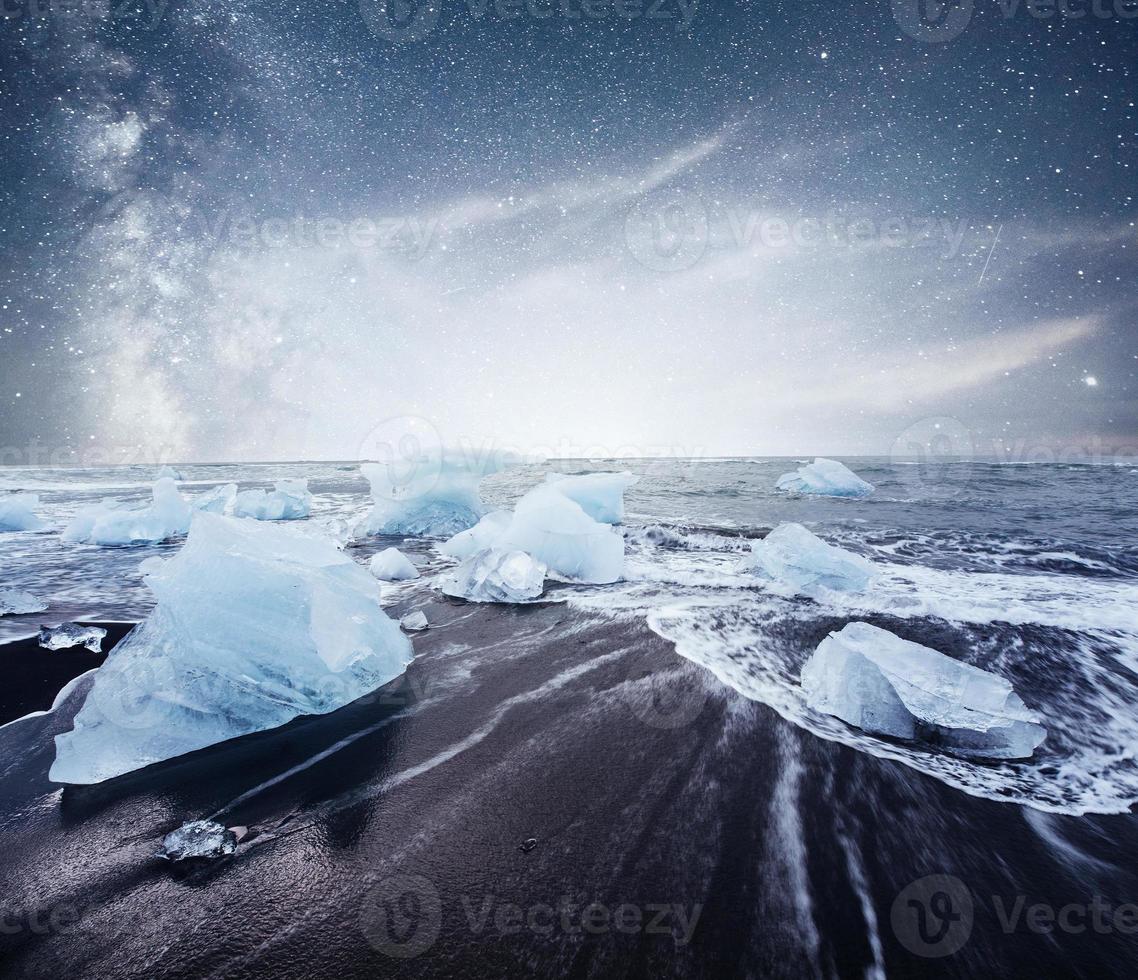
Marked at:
<point>1068,643</point>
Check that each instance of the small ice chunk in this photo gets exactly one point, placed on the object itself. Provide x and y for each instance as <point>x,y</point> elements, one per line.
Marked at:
<point>795,557</point>
<point>600,495</point>
<point>107,524</point>
<point>826,477</point>
<point>414,621</point>
<point>391,565</point>
<point>254,624</point>
<point>477,538</point>
<point>434,492</point>
<point>219,500</point>
<point>495,576</point>
<point>72,635</point>
<point>883,684</point>
<point>16,602</point>
<point>289,501</point>
<point>198,839</point>
<point>169,473</point>
<point>17,512</point>
<point>556,531</point>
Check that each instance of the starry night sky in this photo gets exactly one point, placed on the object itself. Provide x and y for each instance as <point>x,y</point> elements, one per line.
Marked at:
<point>261,230</point>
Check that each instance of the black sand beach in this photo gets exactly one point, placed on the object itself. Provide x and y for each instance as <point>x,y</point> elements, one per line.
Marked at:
<point>676,829</point>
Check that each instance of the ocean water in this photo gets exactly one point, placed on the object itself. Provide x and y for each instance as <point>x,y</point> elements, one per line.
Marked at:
<point>1029,571</point>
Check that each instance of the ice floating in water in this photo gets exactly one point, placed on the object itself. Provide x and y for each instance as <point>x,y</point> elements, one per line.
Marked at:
<point>550,524</point>
<point>477,538</point>
<point>495,576</point>
<point>17,512</point>
<point>289,501</point>
<point>16,602</point>
<point>883,684</point>
<point>826,477</point>
<point>557,532</point>
<point>414,621</point>
<point>169,473</point>
<point>795,557</point>
<point>168,516</point>
<point>219,500</point>
<point>254,624</point>
<point>391,565</point>
<point>198,839</point>
<point>436,493</point>
<point>72,635</point>
<point>600,495</point>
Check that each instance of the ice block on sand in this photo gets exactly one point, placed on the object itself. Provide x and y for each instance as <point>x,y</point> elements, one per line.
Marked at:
<point>883,684</point>
<point>254,624</point>
<point>495,576</point>
<point>391,565</point>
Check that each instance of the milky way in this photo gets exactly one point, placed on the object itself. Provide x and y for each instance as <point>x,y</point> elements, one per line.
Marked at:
<point>262,230</point>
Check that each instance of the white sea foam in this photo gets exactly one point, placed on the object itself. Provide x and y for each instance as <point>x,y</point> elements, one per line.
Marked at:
<point>1069,644</point>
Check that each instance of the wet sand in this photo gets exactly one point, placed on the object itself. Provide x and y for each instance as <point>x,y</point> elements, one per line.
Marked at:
<point>681,830</point>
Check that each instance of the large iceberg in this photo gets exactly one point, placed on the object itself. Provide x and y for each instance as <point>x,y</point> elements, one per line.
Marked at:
<point>495,576</point>
<point>555,524</point>
<point>435,494</point>
<point>600,495</point>
<point>254,624</point>
<point>881,683</point>
<point>289,501</point>
<point>18,512</point>
<point>799,559</point>
<point>168,516</point>
<point>826,477</point>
